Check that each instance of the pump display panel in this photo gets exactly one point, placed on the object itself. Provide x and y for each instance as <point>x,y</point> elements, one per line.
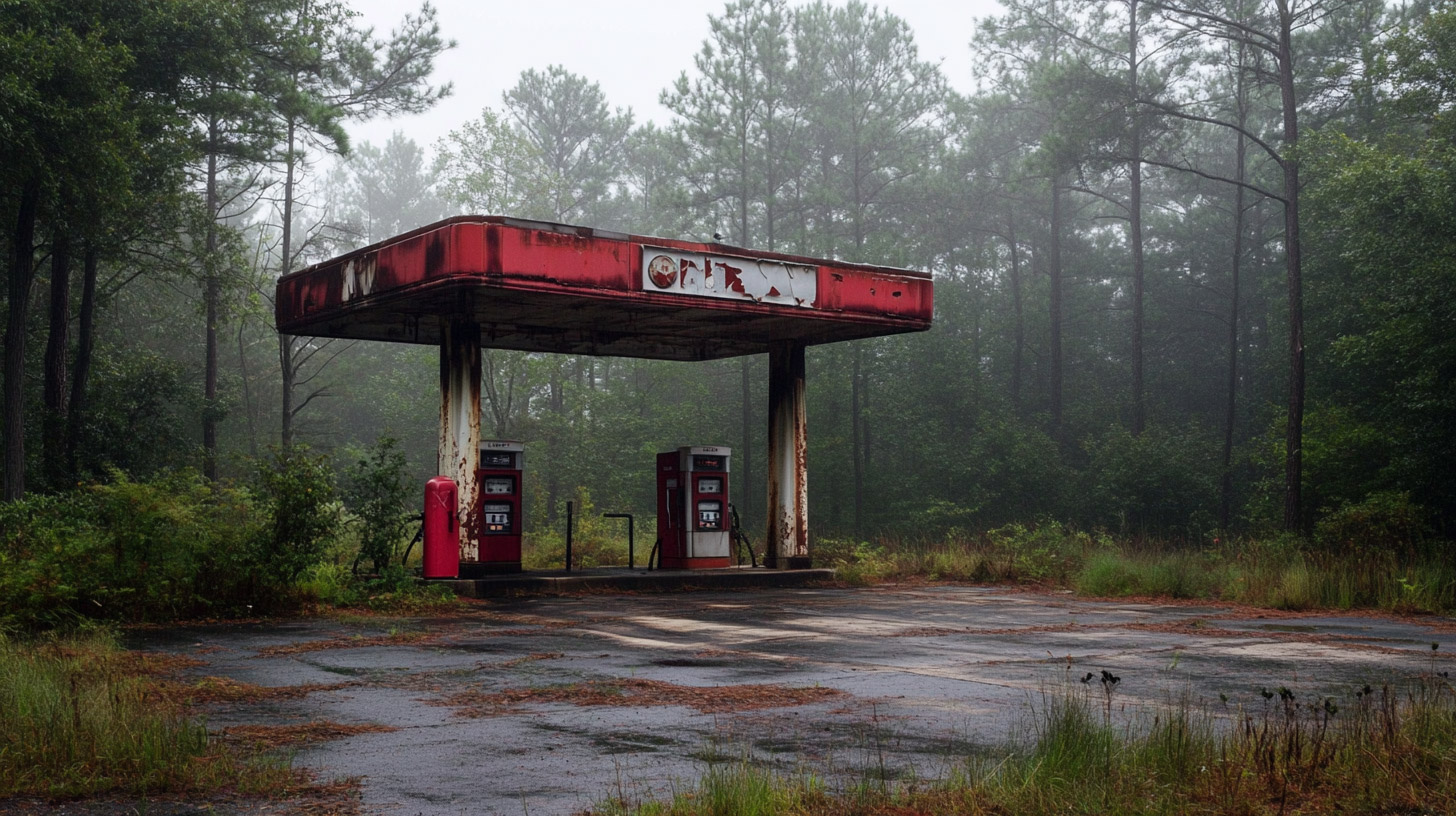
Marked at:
<point>708,463</point>
<point>498,485</point>
<point>497,459</point>
<point>496,517</point>
<point>710,485</point>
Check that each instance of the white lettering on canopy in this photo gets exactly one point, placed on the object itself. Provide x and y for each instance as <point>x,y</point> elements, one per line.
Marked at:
<point>729,277</point>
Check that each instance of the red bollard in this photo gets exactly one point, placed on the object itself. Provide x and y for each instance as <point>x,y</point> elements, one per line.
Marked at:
<point>442,529</point>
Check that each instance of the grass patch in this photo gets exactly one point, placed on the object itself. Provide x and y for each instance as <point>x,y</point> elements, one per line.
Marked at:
<point>1277,573</point>
<point>83,717</point>
<point>1377,751</point>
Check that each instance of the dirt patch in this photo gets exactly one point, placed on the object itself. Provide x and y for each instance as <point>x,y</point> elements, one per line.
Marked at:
<point>419,638</point>
<point>213,690</point>
<point>264,737</point>
<point>305,798</point>
<point>638,693</point>
<point>531,658</point>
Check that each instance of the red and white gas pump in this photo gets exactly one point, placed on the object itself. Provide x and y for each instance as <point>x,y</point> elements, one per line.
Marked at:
<point>500,475</point>
<point>692,508</point>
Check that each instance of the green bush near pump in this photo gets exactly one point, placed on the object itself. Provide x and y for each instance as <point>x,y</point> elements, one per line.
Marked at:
<point>125,550</point>
<point>172,547</point>
<point>380,498</point>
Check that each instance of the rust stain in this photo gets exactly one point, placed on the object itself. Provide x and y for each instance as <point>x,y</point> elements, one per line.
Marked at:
<point>434,255</point>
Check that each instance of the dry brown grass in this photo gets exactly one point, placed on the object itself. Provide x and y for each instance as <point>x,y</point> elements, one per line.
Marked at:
<point>638,693</point>
<point>531,658</point>
<point>419,638</point>
<point>268,737</point>
<point>225,690</point>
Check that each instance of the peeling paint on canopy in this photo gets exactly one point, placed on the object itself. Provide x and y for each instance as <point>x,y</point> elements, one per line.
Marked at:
<point>556,288</point>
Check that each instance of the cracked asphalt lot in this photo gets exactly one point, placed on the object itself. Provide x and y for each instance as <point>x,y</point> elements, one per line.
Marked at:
<point>545,706</point>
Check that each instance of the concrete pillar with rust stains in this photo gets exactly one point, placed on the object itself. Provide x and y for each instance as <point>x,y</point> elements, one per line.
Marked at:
<point>460,427</point>
<point>788,482</point>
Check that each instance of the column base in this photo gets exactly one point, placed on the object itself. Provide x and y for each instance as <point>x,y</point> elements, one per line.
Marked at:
<point>480,569</point>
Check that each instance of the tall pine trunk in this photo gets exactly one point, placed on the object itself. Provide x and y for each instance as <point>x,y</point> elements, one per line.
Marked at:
<point>1230,417</point>
<point>211,294</point>
<point>53,420</point>
<point>1294,428</point>
<point>1018,348</point>
<point>1054,309</point>
<point>1135,224</point>
<point>22,276</point>
<point>856,429</point>
<point>286,367</point>
<point>81,374</point>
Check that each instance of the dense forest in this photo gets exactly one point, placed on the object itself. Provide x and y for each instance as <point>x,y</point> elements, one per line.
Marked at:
<point>1195,260</point>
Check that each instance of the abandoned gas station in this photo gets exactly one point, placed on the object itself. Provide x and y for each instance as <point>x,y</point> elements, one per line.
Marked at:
<point>476,282</point>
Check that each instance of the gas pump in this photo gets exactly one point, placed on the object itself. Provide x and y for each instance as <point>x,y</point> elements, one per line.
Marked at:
<point>692,508</point>
<point>500,476</point>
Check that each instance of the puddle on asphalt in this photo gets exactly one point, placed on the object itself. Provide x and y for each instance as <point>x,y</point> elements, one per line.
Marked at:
<point>688,662</point>
<point>627,742</point>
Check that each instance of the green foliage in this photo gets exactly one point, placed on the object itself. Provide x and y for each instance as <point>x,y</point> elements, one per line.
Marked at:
<point>1047,552</point>
<point>172,547</point>
<point>1282,572</point>
<point>1385,522</point>
<point>138,419</point>
<point>1368,751</point>
<point>1178,573</point>
<point>379,495</point>
<point>1160,481</point>
<point>79,717</point>
<point>595,542</point>
<point>296,493</point>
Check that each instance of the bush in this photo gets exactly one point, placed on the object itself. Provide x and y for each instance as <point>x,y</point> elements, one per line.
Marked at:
<point>595,542</point>
<point>1043,553</point>
<point>171,547</point>
<point>1382,522</point>
<point>1158,482</point>
<point>296,492</point>
<point>379,496</point>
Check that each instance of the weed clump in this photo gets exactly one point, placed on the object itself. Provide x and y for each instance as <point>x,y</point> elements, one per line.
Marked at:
<point>1279,572</point>
<point>82,717</point>
<point>1374,751</point>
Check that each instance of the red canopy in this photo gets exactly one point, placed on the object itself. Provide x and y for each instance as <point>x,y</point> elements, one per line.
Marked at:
<point>551,287</point>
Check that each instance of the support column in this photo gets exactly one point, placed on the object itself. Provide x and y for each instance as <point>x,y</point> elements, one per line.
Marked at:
<point>460,427</point>
<point>788,483</point>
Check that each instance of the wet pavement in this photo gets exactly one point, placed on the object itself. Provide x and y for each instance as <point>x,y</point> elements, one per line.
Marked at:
<point>546,706</point>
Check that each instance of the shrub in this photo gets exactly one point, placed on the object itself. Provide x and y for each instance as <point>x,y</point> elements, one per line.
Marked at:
<point>379,496</point>
<point>296,492</point>
<point>1382,522</point>
<point>594,542</point>
<point>1159,481</point>
<point>174,546</point>
<point>1040,553</point>
<point>79,717</point>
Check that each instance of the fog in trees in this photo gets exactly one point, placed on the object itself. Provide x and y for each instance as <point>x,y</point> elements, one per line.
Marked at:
<point>1192,257</point>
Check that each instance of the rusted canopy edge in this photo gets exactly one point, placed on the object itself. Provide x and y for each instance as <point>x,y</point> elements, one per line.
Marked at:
<point>558,288</point>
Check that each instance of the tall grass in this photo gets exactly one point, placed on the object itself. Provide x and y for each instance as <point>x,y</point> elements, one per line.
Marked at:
<point>1376,751</point>
<point>1277,573</point>
<point>81,716</point>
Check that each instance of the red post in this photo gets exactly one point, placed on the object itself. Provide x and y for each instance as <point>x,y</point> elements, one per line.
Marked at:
<point>442,529</point>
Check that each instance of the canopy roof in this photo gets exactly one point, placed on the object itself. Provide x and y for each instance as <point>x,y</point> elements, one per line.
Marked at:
<point>535,286</point>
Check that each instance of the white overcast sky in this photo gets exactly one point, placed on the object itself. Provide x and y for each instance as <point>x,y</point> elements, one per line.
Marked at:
<point>632,48</point>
